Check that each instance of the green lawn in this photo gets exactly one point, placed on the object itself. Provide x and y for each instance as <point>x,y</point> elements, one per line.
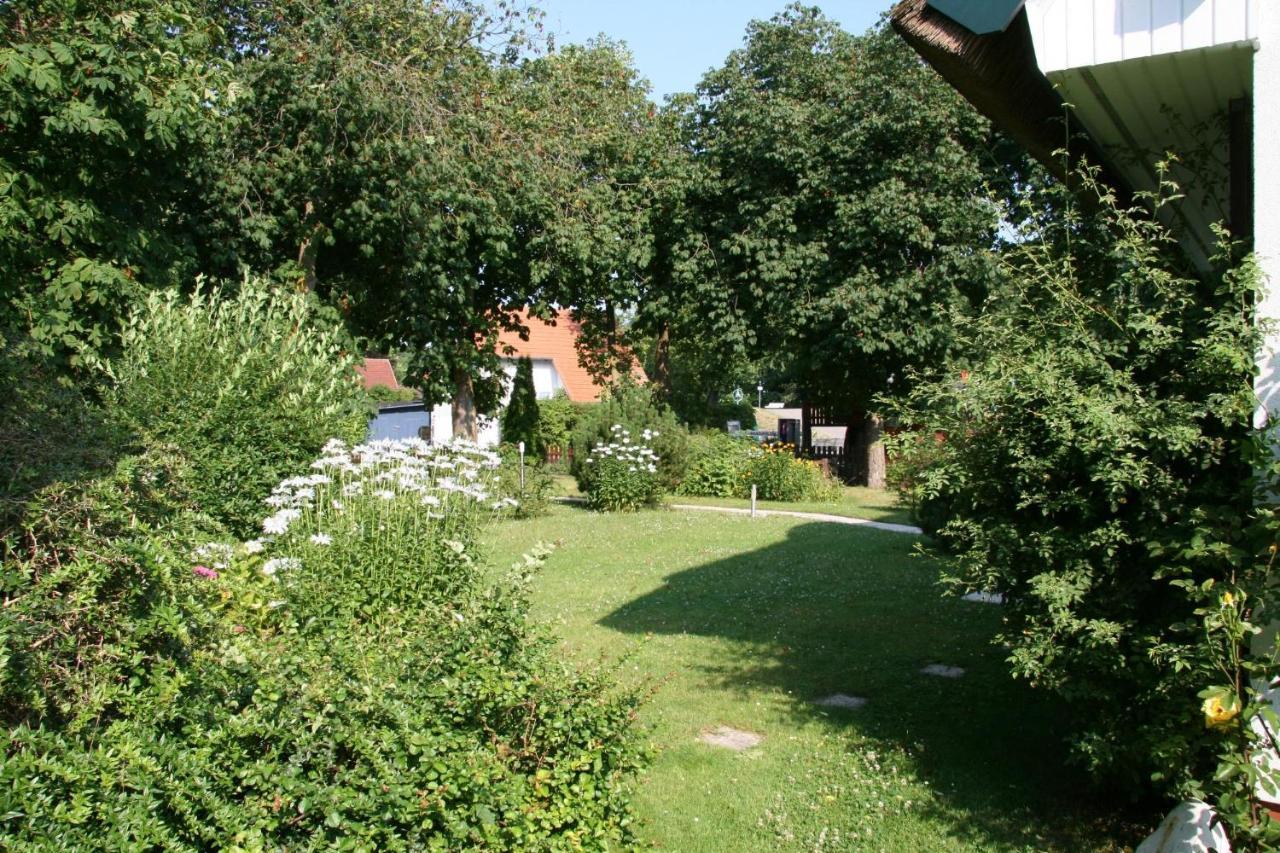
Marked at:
<point>854,502</point>
<point>744,623</point>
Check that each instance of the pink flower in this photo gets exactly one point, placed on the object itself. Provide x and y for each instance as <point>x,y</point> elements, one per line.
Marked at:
<point>205,572</point>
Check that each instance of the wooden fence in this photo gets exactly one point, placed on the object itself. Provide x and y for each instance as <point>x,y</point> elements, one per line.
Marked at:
<point>555,455</point>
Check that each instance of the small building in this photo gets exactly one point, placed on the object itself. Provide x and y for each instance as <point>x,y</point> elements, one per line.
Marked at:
<point>400,419</point>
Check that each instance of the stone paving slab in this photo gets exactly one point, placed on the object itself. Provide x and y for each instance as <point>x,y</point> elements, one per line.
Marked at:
<point>841,700</point>
<point>731,738</point>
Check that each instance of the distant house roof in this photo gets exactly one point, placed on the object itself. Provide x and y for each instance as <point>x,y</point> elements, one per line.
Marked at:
<point>377,371</point>
<point>558,344</point>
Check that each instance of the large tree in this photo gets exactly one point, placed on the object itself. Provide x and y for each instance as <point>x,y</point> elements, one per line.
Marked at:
<point>106,108</point>
<point>846,209</point>
<point>428,182</point>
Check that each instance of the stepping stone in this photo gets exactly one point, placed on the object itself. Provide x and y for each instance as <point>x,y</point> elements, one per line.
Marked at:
<point>841,700</point>
<point>731,738</point>
<point>984,597</point>
<point>943,671</point>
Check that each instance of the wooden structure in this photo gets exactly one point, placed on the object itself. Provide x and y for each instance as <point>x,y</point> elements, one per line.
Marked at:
<point>820,416</point>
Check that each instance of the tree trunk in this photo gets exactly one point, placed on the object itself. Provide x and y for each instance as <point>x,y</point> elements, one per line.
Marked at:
<point>464,407</point>
<point>307,250</point>
<point>876,462</point>
<point>864,450</point>
<point>662,361</point>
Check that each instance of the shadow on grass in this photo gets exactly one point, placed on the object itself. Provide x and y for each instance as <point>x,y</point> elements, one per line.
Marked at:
<point>840,610</point>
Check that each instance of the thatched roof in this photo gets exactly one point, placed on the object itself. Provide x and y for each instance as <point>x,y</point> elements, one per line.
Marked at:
<point>999,75</point>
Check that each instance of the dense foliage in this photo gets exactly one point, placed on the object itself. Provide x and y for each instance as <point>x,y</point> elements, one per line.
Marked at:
<point>105,115</point>
<point>432,169</point>
<point>622,475</point>
<point>779,475</point>
<point>526,481</point>
<point>557,420</point>
<point>842,214</point>
<point>635,409</point>
<point>1098,469</point>
<point>50,432</point>
<point>717,465</point>
<point>356,680</point>
<point>250,383</point>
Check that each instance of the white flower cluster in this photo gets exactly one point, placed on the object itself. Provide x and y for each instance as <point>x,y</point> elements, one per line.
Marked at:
<point>386,469</point>
<point>637,457</point>
<point>216,555</point>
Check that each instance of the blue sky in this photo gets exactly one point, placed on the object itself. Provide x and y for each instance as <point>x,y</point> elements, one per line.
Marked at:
<point>676,41</point>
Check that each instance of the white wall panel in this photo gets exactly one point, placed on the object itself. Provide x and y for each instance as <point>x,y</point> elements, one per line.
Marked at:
<point>1077,33</point>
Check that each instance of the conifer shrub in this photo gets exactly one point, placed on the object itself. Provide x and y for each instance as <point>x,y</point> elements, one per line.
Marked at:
<point>520,418</point>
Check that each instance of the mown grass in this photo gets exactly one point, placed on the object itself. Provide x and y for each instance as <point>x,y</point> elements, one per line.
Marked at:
<point>745,622</point>
<point>853,502</point>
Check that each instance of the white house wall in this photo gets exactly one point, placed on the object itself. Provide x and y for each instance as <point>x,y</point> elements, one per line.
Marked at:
<point>1266,199</point>
<point>1076,33</point>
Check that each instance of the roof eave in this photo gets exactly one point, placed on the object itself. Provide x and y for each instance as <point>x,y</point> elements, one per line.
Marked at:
<point>998,74</point>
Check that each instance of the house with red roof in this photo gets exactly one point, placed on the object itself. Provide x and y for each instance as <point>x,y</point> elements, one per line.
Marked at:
<point>552,346</point>
<point>377,372</point>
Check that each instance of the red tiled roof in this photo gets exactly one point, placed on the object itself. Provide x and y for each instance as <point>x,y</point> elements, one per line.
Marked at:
<point>557,343</point>
<point>377,371</point>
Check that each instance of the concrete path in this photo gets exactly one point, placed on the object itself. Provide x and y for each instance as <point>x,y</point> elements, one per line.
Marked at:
<point>765,513</point>
<point>811,516</point>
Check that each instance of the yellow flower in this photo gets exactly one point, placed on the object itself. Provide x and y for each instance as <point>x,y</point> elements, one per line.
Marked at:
<point>1219,710</point>
<point>1228,599</point>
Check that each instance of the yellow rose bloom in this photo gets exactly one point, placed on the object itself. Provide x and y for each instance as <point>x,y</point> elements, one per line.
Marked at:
<point>1218,713</point>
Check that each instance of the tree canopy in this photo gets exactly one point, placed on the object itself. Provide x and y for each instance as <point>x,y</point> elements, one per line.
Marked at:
<point>426,182</point>
<point>106,108</point>
<point>841,211</point>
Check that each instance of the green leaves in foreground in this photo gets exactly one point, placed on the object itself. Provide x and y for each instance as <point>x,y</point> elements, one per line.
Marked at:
<point>1096,463</point>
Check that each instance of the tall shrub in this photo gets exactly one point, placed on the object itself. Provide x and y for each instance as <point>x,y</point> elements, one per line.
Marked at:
<point>557,420</point>
<point>633,407</point>
<point>520,418</point>
<point>250,382</point>
<point>1097,469</point>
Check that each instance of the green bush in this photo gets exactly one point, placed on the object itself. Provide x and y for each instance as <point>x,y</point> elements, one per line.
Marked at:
<point>1098,469</point>
<point>98,593</point>
<point>557,421</point>
<point>779,476</point>
<point>354,682</point>
<point>387,394</point>
<point>717,465</point>
<point>622,475</point>
<point>250,383</point>
<point>633,408</point>
<point>51,433</point>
